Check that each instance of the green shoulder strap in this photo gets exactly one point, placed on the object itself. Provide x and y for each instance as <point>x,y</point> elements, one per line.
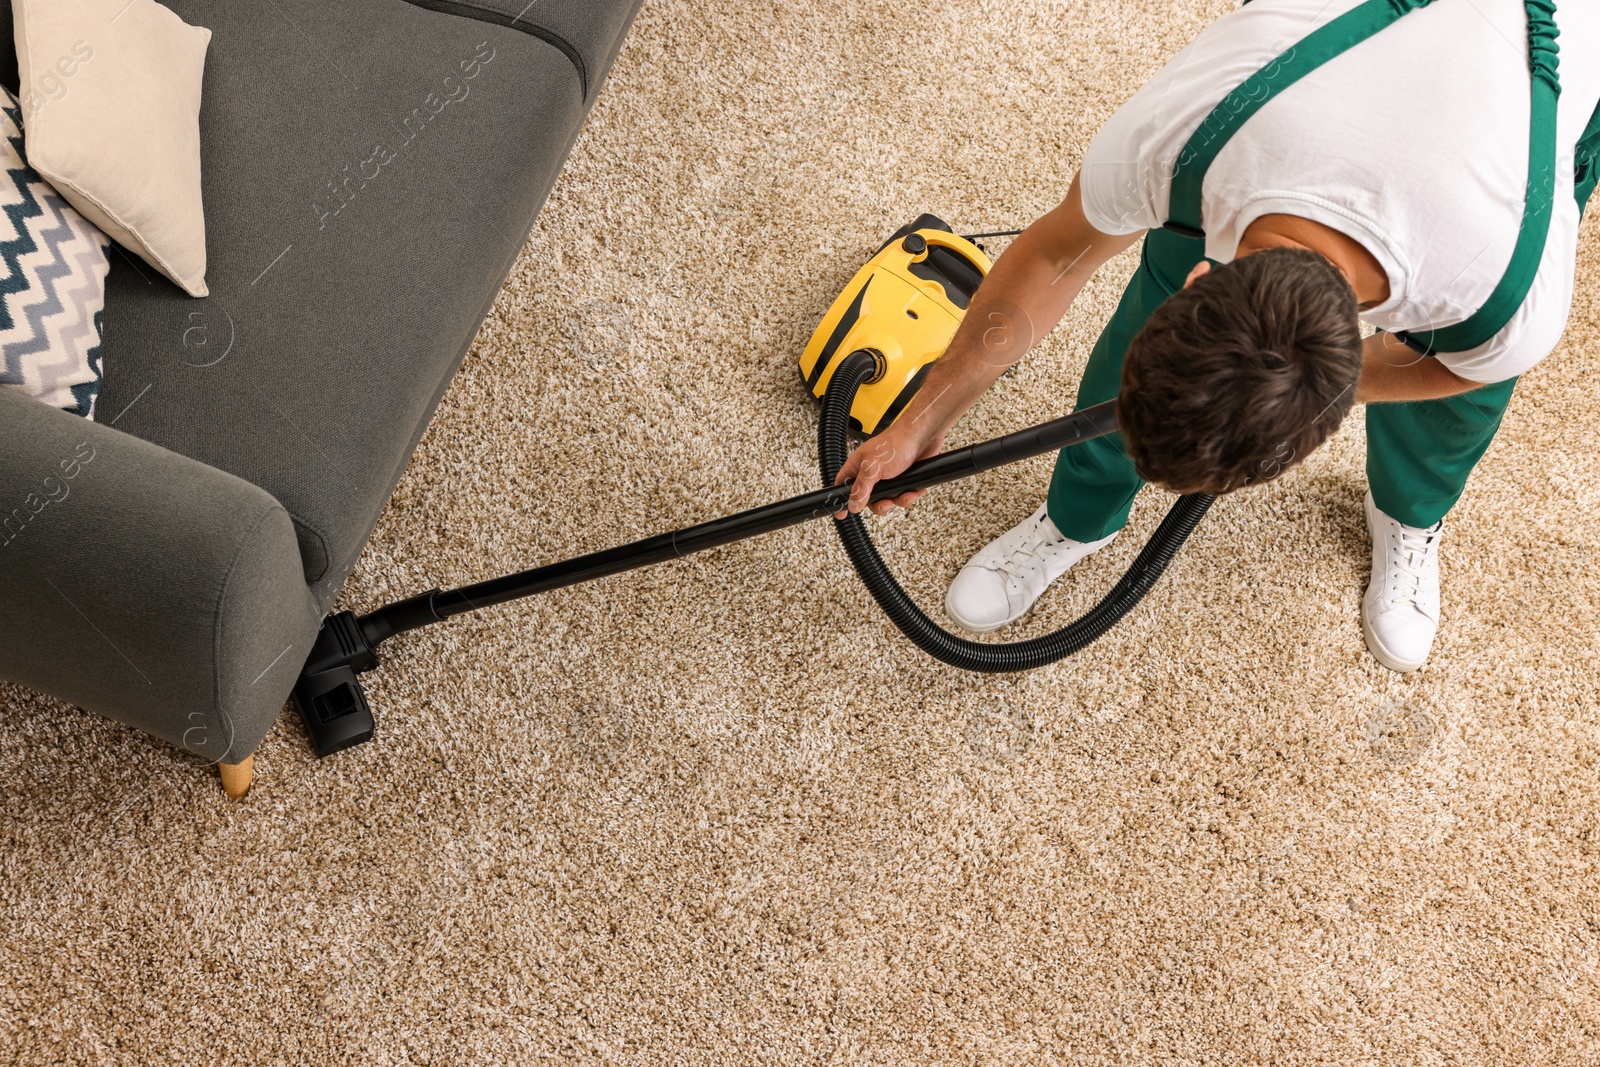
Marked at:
<point>1586,162</point>
<point>1326,42</point>
<point>1538,201</point>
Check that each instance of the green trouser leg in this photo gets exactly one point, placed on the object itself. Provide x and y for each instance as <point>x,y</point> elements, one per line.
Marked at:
<point>1420,454</point>
<point>1094,483</point>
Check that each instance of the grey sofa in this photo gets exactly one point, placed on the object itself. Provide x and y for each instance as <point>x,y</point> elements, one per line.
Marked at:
<point>371,169</point>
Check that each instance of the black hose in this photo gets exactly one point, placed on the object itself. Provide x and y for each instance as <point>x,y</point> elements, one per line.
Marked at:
<point>833,447</point>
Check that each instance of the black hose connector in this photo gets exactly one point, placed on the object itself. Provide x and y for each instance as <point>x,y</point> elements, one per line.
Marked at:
<point>833,448</point>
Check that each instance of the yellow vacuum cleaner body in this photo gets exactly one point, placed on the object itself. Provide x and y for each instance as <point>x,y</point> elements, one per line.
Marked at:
<point>903,307</point>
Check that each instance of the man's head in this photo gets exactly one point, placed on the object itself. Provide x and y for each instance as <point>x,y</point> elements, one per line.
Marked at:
<point>1242,373</point>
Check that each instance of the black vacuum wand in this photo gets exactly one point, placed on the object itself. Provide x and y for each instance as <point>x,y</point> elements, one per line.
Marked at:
<point>328,693</point>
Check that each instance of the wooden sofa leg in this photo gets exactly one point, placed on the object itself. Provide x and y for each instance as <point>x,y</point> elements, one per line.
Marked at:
<point>236,776</point>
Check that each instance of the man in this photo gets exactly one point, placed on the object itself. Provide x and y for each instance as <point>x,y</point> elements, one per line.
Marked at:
<point>1314,163</point>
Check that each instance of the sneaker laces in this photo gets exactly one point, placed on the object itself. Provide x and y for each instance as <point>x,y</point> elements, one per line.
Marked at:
<point>1415,545</point>
<point>1016,562</point>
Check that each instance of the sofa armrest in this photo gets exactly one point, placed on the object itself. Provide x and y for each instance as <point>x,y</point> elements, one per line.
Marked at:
<point>146,586</point>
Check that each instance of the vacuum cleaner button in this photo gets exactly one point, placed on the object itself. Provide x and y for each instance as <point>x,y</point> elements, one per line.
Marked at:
<point>915,243</point>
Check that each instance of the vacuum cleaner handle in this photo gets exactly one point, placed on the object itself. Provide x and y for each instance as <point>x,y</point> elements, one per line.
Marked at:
<point>437,605</point>
<point>328,691</point>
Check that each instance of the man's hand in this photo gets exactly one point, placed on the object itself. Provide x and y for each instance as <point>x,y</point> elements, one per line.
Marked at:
<point>885,456</point>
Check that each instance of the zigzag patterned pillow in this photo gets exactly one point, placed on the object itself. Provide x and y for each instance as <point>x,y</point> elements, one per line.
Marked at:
<point>52,283</point>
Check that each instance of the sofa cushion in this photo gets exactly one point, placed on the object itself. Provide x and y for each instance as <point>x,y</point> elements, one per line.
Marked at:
<point>589,32</point>
<point>113,124</point>
<point>52,283</point>
<point>370,171</point>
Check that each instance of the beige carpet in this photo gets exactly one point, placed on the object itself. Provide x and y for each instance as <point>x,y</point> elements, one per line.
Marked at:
<point>719,812</point>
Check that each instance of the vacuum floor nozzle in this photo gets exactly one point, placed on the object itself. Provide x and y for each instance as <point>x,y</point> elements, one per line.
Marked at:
<point>328,693</point>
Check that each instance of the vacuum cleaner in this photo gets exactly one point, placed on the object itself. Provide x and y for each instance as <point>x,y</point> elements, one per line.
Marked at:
<point>865,362</point>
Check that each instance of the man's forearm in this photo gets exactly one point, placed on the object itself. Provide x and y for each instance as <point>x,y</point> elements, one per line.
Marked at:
<point>1021,300</point>
<point>1393,373</point>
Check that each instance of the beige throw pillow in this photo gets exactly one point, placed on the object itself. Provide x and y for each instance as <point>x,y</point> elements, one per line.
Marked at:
<point>111,111</point>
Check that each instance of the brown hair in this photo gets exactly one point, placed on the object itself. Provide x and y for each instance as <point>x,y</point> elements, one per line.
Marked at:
<point>1238,377</point>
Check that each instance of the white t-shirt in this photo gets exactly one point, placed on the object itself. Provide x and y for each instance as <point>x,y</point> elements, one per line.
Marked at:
<point>1414,143</point>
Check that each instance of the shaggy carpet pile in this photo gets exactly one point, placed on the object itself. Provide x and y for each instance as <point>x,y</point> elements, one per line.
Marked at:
<point>719,811</point>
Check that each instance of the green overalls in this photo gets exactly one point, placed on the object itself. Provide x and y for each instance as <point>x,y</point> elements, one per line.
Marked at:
<point>1419,454</point>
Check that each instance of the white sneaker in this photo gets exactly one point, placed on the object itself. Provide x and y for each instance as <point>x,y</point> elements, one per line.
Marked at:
<point>1400,612</point>
<point>1001,582</point>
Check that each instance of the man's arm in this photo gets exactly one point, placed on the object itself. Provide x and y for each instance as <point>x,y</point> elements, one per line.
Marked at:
<point>1392,372</point>
<point>1020,300</point>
